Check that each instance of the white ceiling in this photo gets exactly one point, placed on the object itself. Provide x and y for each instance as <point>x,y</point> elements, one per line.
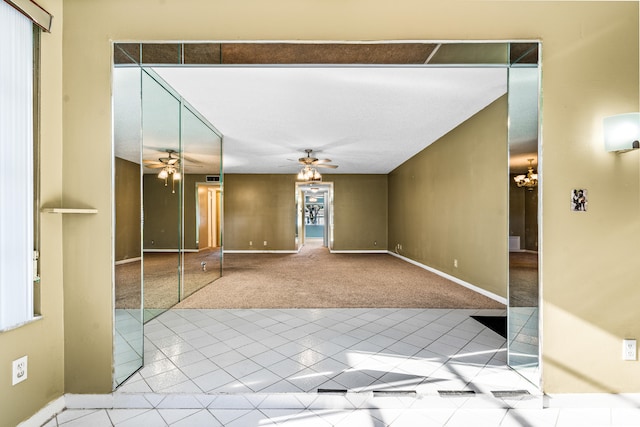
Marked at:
<point>365,119</point>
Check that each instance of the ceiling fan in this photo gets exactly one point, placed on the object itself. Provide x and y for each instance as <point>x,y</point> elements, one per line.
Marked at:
<point>172,160</point>
<point>312,161</point>
<point>309,173</point>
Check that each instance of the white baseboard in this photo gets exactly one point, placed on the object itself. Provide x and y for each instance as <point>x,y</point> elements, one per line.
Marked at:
<point>454,279</point>
<point>169,250</point>
<point>250,251</point>
<point>47,412</point>
<point>359,251</point>
<point>592,400</point>
<point>128,260</point>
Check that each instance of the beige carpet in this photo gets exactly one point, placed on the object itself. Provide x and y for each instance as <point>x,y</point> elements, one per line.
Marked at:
<point>315,278</point>
<point>523,279</point>
<point>161,288</point>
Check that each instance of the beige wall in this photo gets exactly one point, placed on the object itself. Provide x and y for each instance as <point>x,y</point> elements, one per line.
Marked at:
<point>590,70</point>
<point>127,199</point>
<point>449,202</point>
<point>257,208</point>
<point>43,340</point>
<point>203,229</point>
<point>262,207</point>
<point>360,211</point>
<point>161,212</point>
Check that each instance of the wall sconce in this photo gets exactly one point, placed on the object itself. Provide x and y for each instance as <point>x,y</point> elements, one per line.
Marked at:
<point>622,132</point>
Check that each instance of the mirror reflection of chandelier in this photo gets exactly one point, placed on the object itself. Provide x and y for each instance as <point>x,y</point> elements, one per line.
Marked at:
<point>167,171</point>
<point>309,174</point>
<point>528,181</point>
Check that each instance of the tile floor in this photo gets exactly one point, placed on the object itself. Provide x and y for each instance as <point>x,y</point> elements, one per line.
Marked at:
<point>327,367</point>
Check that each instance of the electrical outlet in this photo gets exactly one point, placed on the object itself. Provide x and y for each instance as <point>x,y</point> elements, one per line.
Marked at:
<point>250,242</point>
<point>19,370</point>
<point>265,243</point>
<point>375,243</point>
<point>455,263</point>
<point>629,349</point>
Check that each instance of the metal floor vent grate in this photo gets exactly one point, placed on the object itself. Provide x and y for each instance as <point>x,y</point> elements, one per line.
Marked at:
<point>456,393</point>
<point>511,393</point>
<point>385,393</point>
<point>332,391</point>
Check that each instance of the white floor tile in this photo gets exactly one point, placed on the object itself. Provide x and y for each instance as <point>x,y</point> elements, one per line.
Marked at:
<point>228,417</point>
<point>476,418</point>
<point>70,415</point>
<point>584,417</point>
<point>200,418</point>
<point>260,379</point>
<point>625,416</point>
<point>97,418</point>
<point>213,380</point>
<point>531,417</point>
<point>149,418</point>
<point>122,415</point>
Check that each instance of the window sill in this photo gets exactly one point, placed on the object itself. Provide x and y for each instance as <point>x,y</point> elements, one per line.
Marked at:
<point>19,325</point>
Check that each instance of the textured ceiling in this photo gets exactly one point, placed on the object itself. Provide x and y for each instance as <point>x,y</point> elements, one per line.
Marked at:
<point>367,120</point>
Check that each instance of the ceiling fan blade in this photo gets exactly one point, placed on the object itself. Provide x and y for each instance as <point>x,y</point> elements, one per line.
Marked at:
<point>326,166</point>
<point>323,161</point>
<point>154,165</point>
<point>190,159</point>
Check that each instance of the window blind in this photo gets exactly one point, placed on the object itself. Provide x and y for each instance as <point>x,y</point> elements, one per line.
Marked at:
<point>16,167</point>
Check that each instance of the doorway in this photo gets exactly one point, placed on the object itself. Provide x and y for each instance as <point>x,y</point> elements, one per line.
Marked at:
<point>209,215</point>
<point>314,213</point>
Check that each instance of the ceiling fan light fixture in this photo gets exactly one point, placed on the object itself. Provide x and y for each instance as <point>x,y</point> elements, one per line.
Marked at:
<point>163,174</point>
<point>309,174</point>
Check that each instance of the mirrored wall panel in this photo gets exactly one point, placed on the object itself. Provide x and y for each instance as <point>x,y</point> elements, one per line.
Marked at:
<point>168,204</point>
<point>162,192</point>
<point>523,290</point>
<point>202,202</point>
<point>128,334</point>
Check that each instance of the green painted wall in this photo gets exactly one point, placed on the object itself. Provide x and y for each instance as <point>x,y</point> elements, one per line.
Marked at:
<point>449,202</point>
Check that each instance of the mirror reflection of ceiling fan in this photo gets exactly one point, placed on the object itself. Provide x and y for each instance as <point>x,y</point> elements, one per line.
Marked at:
<point>170,166</point>
<point>171,160</point>
<point>309,173</point>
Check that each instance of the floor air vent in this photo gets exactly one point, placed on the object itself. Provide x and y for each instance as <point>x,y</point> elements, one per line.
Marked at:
<point>332,391</point>
<point>456,393</point>
<point>386,393</point>
<point>510,393</point>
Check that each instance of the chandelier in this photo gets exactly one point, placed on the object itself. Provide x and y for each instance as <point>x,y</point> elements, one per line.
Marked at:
<point>167,171</point>
<point>528,181</point>
<point>309,174</point>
